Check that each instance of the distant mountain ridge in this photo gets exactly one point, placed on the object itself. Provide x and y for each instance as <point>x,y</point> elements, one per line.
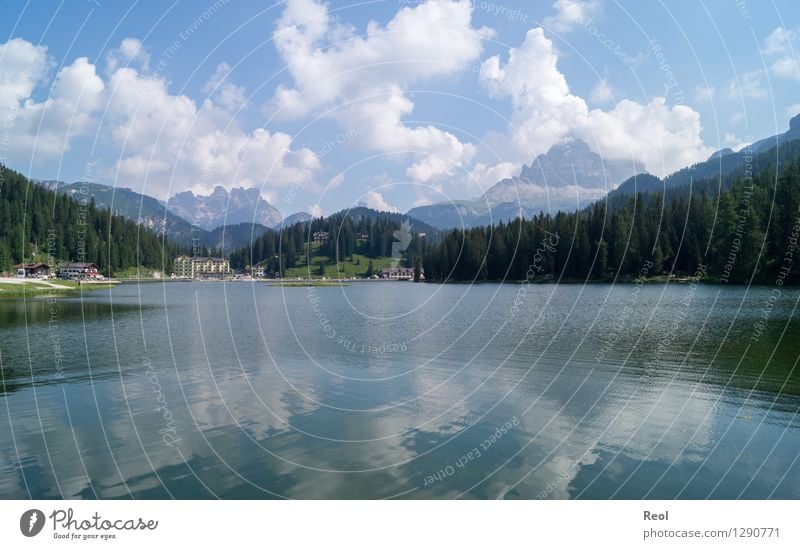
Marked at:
<point>223,207</point>
<point>153,214</point>
<point>144,210</point>
<point>722,165</point>
<point>288,221</point>
<point>568,177</point>
<point>776,140</point>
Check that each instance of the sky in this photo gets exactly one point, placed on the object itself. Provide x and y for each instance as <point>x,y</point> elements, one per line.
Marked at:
<point>389,103</point>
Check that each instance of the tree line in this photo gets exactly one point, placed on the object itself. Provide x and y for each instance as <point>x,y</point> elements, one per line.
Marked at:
<point>741,231</point>
<point>359,231</point>
<point>42,225</point>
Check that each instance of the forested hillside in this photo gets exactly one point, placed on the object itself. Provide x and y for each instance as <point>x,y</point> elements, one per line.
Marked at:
<point>35,220</point>
<point>748,231</point>
<point>359,231</point>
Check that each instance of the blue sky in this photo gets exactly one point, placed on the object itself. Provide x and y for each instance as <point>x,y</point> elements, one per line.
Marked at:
<point>392,103</point>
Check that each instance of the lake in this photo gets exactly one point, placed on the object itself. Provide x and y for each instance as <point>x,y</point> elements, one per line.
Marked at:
<point>395,389</point>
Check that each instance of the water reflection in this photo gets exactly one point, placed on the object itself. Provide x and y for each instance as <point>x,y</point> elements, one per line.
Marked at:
<point>238,391</point>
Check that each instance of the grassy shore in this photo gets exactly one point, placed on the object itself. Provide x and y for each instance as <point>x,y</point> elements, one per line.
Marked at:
<point>33,288</point>
<point>346,268</point>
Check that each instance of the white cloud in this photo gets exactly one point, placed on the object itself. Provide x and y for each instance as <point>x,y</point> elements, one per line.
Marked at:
<point>375,200</point>
<point>130,52</point>
<point>747,85</point>
<point>335,181</point>
<point>22,67</point>
<point>363,78</point>
<point>661,137</point>
<point>780,43</point>
<point>571,13</point>
<point>484,176</point>
<point>544,109</point>
<point>601,93</point>
<point>166,140</point>
<point>225,92</point>
<point>793,110</point>
<point>704,93</point>
<point>785,67</point>
<point>734,142</point>
<point>46,128</point>
<point>316,210</point>
<point>176,145</point>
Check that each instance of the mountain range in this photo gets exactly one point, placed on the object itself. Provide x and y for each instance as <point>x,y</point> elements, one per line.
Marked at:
<point>570,176</point>
<point>162,218</point>
<point>223,207</point>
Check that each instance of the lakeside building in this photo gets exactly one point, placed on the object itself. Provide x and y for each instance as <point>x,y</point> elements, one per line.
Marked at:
<point>321,237</point>
<point>33,270</point>
<point>78,271</point>
<point>398,273</point>
<point>201,267</point>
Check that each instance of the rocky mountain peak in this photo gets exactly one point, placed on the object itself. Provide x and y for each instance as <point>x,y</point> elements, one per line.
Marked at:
<point>223,207</point>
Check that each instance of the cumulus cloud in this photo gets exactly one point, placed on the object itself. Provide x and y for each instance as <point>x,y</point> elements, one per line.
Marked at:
<point>780,44</point>
<point>362,79</point>
<point>177,145</point>
<point>545,112</point>
<point>484,176</point>
<point>130,52</point>
<point>316,210</point>
<point>226,93</point>
<point>375,200</point>
<point>167,140</point>
<point>44,129</point>
<point>571,13</point>
<point>22,67</point>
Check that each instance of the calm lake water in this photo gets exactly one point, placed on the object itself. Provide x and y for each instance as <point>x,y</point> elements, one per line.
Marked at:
<point>378,390</point>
